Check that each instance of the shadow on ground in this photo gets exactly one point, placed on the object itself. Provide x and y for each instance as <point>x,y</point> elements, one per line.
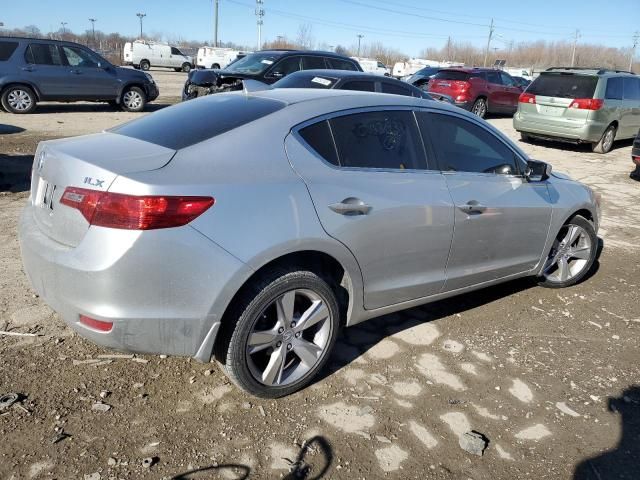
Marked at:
<point>576,147</point>
<point>45,108</point>
<point>15,172</point>
<point>622,462</point>
<point>9,129</point>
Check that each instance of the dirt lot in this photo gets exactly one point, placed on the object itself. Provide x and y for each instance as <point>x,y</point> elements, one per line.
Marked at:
<point>550,377</point>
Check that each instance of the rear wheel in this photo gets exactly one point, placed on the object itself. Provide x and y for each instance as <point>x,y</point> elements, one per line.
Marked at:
<point>286,327</point>
<point>480,107</point>
<point>133,100</point>
<point>525,137</point>
<point>145,65</point>
<point>572,254</point>
<point>186,67</point>
<point>215,66</point>
<point>18,99</point>
<point>606,142</point>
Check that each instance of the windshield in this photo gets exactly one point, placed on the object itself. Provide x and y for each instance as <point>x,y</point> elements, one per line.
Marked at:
<point>254,64</point>
<point>565,85</point>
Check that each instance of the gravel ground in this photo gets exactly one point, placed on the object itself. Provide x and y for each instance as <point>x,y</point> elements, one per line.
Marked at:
<point>550,377</point>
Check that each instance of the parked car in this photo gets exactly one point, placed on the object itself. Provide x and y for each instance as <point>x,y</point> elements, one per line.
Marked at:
<point>251,227</point>
<point>371,65</point>
<point>522,82</point>
<point>421,78</point>
<point>635,157</point>
<point>580,105</point>
<point>144,55</point>
<point>216,58</point>
<point>480,90</point>
<point>266,66</point>
<point>34,70</point>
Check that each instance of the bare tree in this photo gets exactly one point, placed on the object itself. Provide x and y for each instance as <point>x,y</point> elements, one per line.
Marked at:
<point>305,38</point>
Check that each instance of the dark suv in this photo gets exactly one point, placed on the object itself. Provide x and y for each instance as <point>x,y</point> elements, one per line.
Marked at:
<point>34,70</point>
<point>266,66</point>
<point>481,90</point>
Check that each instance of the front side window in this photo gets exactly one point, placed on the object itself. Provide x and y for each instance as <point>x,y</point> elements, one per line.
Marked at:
<point>286,66</point>
<point>339,64</point>
<point>77,57</point>
<point>43,54</point>
<point>463,146</point>
<point>507,79</point>
<point>614,89</point>
<point>396,89</point>
<point>494,77</point>
<point>175,51</point>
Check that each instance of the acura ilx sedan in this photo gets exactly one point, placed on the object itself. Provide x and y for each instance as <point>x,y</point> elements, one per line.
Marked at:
<point>250,228</point>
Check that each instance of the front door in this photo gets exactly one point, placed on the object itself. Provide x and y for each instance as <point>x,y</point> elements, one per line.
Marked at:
<point>373,192</point>
<point>501,220</point>
<point>87,78</point>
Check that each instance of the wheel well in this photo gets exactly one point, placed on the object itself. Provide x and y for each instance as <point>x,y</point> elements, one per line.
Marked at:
<point>583,213</point>
<point>130,85</point>
<point>322,264</point>
<point>215,66</point>
<point>614,123</point>
<point>23,84</point>
<point>144,60</point>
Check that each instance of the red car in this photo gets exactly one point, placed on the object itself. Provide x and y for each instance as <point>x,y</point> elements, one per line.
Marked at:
<point>480,90</point>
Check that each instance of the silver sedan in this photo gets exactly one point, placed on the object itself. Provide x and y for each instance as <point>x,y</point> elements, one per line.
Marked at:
<point>251,227</point>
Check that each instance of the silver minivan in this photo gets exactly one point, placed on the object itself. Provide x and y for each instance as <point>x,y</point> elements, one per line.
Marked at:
<point>580,105</point>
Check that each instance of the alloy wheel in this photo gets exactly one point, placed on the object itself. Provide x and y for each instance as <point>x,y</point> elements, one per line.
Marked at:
<point>289,338</point>
<point>607,142</point>
<point>19,100</point>
<point>569,255</point>
<point>480,108</point>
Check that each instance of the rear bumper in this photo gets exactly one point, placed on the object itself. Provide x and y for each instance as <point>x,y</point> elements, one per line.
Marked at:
<point>589,131</point>
<point>164,290</point>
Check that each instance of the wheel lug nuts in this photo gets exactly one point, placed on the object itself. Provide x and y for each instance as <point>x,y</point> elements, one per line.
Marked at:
<point>293,324</point>
<point>279,344</point>
<point>298,335</point>
<point>289,346</point>
<point>280,330</point>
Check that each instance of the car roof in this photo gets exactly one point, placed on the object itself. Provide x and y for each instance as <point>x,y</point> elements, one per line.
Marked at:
<point>588,71</point>
<point>304,52</point>
<point>339,74</point>
<point>33,39</point>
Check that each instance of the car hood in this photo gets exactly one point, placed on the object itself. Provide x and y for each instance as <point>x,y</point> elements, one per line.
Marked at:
<point>210,76</point>
<point>130,74</point>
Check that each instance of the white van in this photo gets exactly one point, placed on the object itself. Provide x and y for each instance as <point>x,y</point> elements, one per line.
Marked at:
<point>371,65</point>
<point>144,55</point>
<point>211,57</point>
<point>411,66</point>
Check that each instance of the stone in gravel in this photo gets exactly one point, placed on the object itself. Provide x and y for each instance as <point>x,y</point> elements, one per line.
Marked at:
<point>92,476</point>
<point>100,407</point>
<point>149,462</point>
<point>112,462</point>
<point>208,372</point>
<point>473,442</point>
<point>105,393</point>
<point>138,385</point>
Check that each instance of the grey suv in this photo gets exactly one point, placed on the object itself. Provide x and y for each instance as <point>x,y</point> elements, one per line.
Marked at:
<point>34,70</point>
<point>580,105</point>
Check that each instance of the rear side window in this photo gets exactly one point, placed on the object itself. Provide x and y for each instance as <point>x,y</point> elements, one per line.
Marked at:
<point>359,85</point>
<point>305,81</point>
<point>286,66</point>
<point>396,89</point>
<point>451,75</point>
<point>564,85</point>
<point>43,54</point>
<point>339,64</point>
<point>188,123</point>
<point>494,77</point>
<point>6,50</point>
<point>614,89</point>
<point>632,88</point>
<point>384,139</point>
<point>462,146</point>
<point>318,136</point>
<point>313,63</point>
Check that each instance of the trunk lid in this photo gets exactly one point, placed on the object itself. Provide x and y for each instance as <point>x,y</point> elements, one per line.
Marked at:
<point>450,82</point>
<point>93,162</point>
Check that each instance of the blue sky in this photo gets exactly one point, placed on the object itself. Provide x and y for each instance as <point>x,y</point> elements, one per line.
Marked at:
<point>407,25</point>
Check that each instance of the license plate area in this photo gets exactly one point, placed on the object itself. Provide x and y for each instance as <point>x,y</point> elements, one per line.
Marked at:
<point>551,110</point>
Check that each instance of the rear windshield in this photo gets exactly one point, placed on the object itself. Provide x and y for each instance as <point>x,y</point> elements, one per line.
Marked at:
<point>6,50</point>
<point>451,75</point>
<point>194,121</point>
<point>565,85</point>
<point>305,81</point>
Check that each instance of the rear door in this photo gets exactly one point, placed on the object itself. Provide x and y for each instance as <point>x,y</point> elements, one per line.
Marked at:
<point>632,101</point>
<point>374,193</point>
<point>496,95</point>
<point>87,78</point>
<point>501,220</point>
<point>45,69</point>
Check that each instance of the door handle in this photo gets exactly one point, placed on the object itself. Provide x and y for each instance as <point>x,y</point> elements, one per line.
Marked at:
<point>77,72</point>
<point>27,69</point>
<point>472,206</point>
<point>351,206</point>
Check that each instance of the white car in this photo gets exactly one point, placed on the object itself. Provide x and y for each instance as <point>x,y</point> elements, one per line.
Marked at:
<point>144,55</point>
<point>371,65</point>
<point>216,58</point>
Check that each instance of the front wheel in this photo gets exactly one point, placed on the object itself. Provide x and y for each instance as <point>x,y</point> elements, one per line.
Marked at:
<point>285,330</point>
<point>145,65</point>
<point>479,107</point>
<point>18,99</point>
<point>133,100</point>
<point>606,142</point>
<point>186,67</point>
<point>572,254</point>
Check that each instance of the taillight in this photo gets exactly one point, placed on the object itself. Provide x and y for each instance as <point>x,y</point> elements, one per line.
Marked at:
<point>131,212</point>
<point>587,103</point>
<point>527,98</point>
<point>94,324</point>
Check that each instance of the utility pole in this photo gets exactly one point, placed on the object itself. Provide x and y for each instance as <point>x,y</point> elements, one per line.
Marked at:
<point>575,42</point>
<point>93,29</point>
<point>448,59</point>
<point>141,16</point>
<point>64,30</point>
<point>360,37</point>
<point>486,52</point>
<point>636,37</point>
<point>260,22</point>
<point>215,23</point>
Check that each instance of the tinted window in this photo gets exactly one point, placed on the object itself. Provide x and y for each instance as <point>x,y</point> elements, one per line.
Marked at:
<point>318,136</point>
<point>462,146</point>
<point>339,64</point>
<point>565,85</point>
<point>7,49</point>
<point>396,89</point>
<point>385,139</point>
<point>303,80</point>
<point>359,85</point>
<point>494,77</point>
<point>43,54</point>
<point>312,63</point>
<point>192,122</point>
<point>287,65</point>
<point>507,79</point>
<point>451,75</point>
<point>77,57</point>
<point>614,89</point>
<point>632,88</point>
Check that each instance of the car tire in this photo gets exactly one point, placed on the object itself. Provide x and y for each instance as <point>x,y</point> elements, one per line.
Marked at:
<point>145,65</point>
<point>133,99</point>
<point>186,67</point>
<point>606,142</point>
<point>479,107</point>
<point>572,255</point>
<point>276,367</point>
<point>525,137</point>
<point>215,66</point>
<point>18,99</point>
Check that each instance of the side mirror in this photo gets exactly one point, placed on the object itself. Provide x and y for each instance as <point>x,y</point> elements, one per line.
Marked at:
<point>537,171</point>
